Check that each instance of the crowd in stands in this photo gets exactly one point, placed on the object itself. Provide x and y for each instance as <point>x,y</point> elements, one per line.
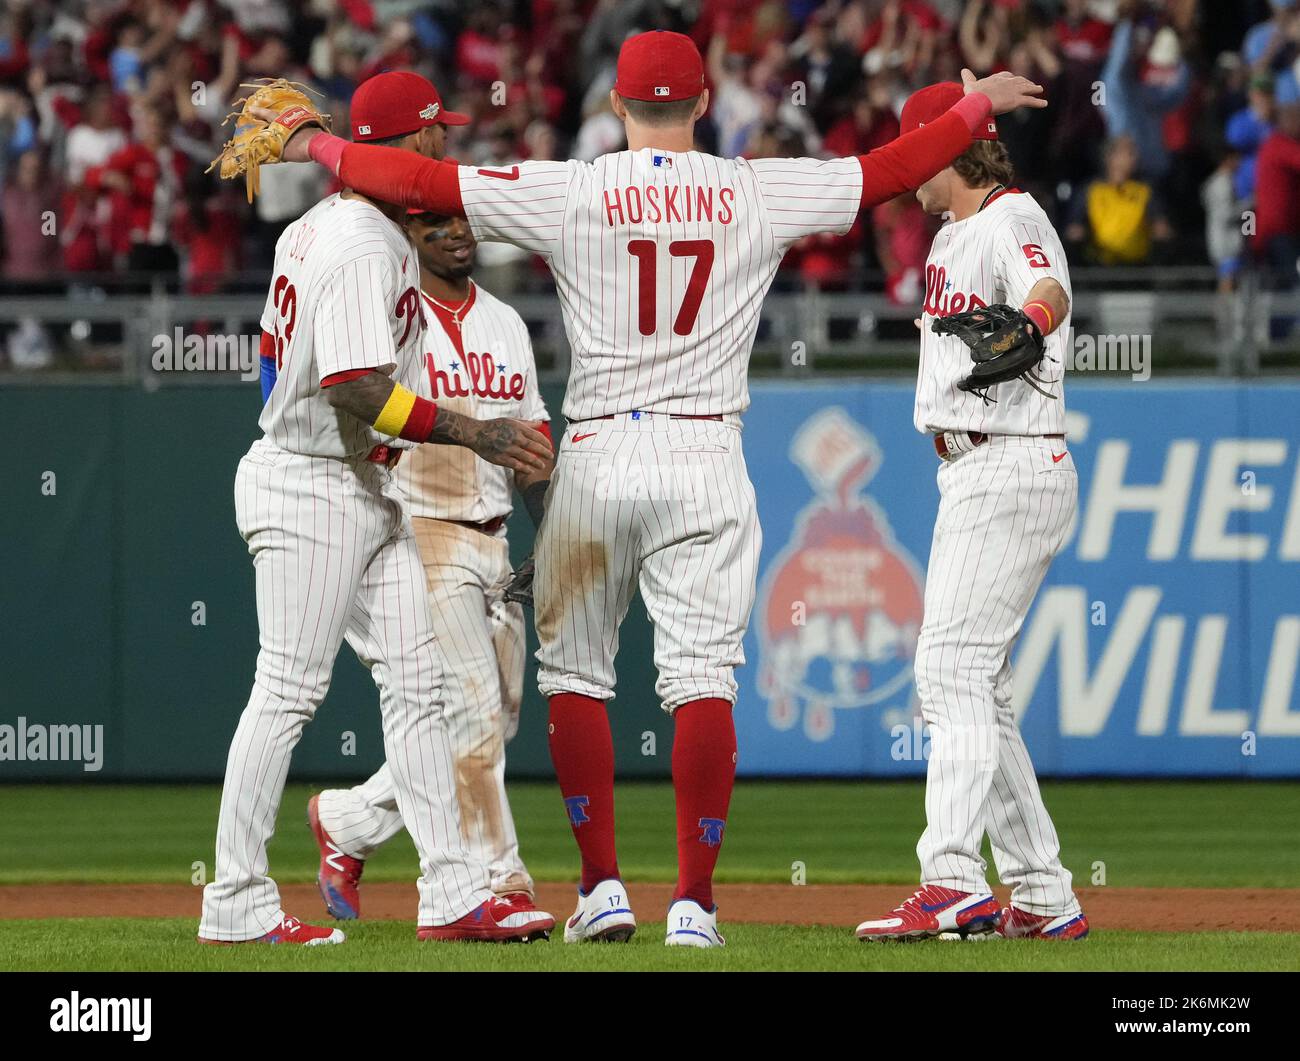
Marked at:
<point>1173,135</point>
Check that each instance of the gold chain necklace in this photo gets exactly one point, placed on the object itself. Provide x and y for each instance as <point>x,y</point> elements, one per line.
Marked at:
<point>457,311</point>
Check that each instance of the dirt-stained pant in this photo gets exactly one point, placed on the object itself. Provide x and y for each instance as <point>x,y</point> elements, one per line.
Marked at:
<point>482,639</point>
<point>335,557</point>
<point>665,505</point>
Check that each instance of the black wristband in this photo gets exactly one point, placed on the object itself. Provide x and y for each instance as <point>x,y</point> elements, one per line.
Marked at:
<point>534,495</point>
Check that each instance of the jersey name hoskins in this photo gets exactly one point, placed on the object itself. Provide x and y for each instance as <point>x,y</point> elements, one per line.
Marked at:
<point>634,205</point>
<point>939,302</point>
<point>483,377</point>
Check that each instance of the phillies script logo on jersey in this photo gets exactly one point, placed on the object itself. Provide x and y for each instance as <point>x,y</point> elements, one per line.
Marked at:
<point>408,310</point>
<point>481,375</point>
<point>840,607</point>
<point>941,300</point>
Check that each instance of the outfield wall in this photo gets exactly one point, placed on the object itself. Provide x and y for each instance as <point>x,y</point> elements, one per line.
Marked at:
<point>1165,641</point>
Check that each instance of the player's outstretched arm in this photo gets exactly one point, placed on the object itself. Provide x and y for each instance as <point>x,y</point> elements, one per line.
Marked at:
<point>385,173</point>
<point>391,409</point>
<point>915,157</point>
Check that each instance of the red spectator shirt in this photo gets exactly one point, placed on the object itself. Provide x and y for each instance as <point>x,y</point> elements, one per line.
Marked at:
<point>143,215</point>
<point>912,11</point>
<point>1087,42</point>
<point>1277,189</point>
<point>846,137</point>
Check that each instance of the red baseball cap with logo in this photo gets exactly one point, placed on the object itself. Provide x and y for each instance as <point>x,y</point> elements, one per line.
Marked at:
<point>659,67</point>
<point>933,102</point>
<point>395,103</point>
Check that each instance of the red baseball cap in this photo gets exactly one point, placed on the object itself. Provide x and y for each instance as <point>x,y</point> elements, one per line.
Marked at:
<point>659,67</point>
<point>395,103</point>
<point>932,102</point>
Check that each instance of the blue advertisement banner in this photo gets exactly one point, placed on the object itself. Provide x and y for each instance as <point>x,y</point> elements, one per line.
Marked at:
<point>1165,640</point>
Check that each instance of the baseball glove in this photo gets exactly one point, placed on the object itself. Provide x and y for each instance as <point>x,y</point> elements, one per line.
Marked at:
<point>1004,345</point>
<point>257,143</point>
<point>520,588</point>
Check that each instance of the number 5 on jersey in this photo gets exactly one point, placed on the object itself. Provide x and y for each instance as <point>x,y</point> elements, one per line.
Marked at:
<point>644,251</point>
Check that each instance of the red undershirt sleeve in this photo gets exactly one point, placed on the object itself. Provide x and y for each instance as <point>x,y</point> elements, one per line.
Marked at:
<point>392,175</point>
<point>346,376</point>
<point>915,157</point>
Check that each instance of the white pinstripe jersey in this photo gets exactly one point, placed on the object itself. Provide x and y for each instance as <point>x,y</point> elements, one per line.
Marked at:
<point>661,260</point>
<point>482,369</point>
<point>996,255</point>
<point>344,295</point>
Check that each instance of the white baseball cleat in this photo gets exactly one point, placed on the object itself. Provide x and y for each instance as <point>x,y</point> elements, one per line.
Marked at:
<point>690,925</point>
<point>603,915</point>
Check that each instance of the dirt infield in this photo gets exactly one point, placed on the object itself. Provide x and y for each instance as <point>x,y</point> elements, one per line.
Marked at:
<point>1141,909</point>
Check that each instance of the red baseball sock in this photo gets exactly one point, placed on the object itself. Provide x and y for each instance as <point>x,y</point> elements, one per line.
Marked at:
<point>704,772</point>
<point>582,751</point>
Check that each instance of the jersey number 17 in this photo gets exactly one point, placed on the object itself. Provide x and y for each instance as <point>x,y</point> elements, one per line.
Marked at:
<point>644,251</point>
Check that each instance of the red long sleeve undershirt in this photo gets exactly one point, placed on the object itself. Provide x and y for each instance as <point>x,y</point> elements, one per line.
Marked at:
<point>404,178</point>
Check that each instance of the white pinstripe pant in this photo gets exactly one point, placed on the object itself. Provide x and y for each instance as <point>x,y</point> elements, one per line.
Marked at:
<point>482,639</point>
<point>665,504</point>
<point>1004,512</point>
<point>335,558</point>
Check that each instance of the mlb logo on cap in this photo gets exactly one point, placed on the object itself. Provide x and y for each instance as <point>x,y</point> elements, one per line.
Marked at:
<point>397,103</point>
<point>659,66</point>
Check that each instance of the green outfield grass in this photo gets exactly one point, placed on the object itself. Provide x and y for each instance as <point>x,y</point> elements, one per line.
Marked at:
<point>1182,834</point>
<point>168,945</point>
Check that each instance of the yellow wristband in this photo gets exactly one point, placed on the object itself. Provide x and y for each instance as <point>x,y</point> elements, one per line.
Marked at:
<point>396,411</point>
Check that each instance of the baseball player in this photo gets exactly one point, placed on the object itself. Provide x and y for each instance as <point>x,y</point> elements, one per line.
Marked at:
<point>479,362</point>
<point>333,548</point>
<point>1008,492</point>
<point>662,255</point>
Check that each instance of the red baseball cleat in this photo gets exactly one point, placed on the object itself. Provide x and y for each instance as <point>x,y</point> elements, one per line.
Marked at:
<point>339,876</point>
<point>291,930</point>
<point>933,910</point>
<point>1021,924</point>
<point>495,921</point>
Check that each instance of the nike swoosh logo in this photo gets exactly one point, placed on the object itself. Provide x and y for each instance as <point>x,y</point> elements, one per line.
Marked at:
<point>1058,457</point>
<point>511,174</point>
<point>579,438</point>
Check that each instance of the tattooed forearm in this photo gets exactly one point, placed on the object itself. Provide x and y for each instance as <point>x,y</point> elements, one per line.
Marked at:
<point>453,429</point>
<point>362,397</point>
<point>512,444</point>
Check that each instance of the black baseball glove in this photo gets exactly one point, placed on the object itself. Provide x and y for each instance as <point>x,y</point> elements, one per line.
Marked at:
<point>1004,345</point>
<point>520,588</point>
